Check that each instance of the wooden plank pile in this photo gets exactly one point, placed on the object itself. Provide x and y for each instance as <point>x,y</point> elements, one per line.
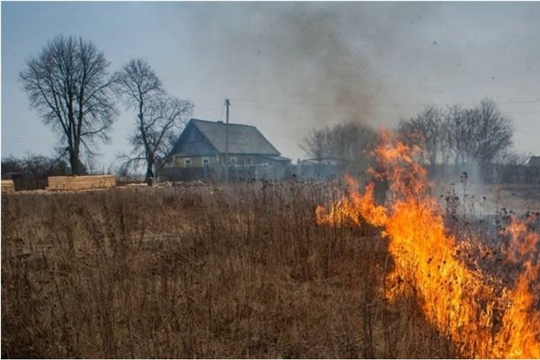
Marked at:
<point>74,183</point>
<point>136,185</point>
<point>8,187</point>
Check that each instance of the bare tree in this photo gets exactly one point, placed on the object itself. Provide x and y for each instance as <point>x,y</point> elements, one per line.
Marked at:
<point>164,117</point>
<point>158,116</point>
<point>69,85</point>
<point>511,157</point>
<point>425,130</point>
<point>316,144</point>
<point>493,133</point>
<point>137,83</point>
<point>455,133</point>
<point>349,143</point>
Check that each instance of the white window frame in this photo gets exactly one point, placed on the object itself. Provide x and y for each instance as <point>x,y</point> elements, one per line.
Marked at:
<point>207,165</point>
<point>232,161</point>
<point>188,163</point>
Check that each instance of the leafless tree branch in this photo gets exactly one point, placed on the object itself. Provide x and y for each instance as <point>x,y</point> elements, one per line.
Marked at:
<point>69,85</point>
<point>158,115</point>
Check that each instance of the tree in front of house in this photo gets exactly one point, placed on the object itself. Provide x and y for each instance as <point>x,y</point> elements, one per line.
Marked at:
<point>68,84</point>
<point>159,119</point>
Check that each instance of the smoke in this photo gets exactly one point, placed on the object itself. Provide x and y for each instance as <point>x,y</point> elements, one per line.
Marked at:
<point>289,67</point>
<point>310,57</point>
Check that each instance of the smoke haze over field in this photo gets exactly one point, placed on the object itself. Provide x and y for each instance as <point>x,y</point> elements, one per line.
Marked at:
<point>288,67</point>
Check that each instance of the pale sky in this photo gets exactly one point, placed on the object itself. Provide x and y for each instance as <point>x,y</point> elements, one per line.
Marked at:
<point>288,67</point>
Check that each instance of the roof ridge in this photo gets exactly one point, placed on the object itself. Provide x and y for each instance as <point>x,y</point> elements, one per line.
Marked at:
<point>220,122</point>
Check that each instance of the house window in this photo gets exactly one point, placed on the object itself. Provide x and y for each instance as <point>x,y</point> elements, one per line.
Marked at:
<point>248,161</point>
<point>206,162</point>
<point>232,160</point>
<point>187,163</point>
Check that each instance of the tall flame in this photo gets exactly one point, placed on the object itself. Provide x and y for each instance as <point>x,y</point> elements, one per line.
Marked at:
<point>459,301</point>
<point>520,335</point>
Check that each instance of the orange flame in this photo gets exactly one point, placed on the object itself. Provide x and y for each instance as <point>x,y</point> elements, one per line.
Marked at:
<point>459,301</point>
<point>519,337</point>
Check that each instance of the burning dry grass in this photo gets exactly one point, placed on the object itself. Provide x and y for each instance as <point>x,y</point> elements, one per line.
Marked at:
<point>262,270</point>
<point>482,315</point>
<point>199,272</point>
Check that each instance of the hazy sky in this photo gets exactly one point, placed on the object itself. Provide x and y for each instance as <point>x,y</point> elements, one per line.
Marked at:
<point>288,67</point>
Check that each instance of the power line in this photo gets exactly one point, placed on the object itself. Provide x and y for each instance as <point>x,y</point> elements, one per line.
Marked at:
<point>341,108</point>
<point>208,106</point>
<point>207,110</point>
<point>375,104</point>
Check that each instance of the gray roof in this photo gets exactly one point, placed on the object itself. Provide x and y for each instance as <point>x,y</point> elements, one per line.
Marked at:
<point>534,161</point>
<point>243,139</point>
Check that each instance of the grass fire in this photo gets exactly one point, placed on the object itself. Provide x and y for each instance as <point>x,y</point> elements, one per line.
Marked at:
<point>482,316</point>
<point>270,180</point>
<point>268,269</point>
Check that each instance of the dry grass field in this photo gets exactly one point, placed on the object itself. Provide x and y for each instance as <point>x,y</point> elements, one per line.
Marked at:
<point>238,272</point>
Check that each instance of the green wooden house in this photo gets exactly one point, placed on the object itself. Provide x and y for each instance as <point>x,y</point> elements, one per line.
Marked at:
<point>202,147</point>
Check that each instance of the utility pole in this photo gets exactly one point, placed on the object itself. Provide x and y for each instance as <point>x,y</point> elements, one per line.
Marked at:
<point>227,104</point>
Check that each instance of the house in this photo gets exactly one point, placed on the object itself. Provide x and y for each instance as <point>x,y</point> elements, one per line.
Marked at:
<point>534,161</point>
<point>200,153</point>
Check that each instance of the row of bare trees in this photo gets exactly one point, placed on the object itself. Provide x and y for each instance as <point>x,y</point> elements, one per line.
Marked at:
<point>478,135</point>
<point>473,138</point>
<point>69,84</point>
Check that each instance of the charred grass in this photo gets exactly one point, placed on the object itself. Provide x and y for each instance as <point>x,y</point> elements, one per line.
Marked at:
<point>211,272</point>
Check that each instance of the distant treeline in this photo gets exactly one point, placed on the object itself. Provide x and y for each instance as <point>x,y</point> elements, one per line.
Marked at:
<point>454,140</point>
<point>32,171</point>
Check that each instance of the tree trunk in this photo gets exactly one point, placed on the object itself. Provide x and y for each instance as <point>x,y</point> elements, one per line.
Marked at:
<point>74,162</point>
<point>149,173</point>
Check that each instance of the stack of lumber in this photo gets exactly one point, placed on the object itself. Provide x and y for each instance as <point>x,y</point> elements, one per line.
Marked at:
<point>57,183</point>
<point>81,182</point>
<point>8,187</point>
<point>136,185</point>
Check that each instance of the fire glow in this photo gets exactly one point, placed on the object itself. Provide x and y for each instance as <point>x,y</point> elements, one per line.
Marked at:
<point>483,317</point>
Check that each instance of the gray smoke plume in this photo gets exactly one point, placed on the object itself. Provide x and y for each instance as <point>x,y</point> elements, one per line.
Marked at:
<point>318,59</point>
